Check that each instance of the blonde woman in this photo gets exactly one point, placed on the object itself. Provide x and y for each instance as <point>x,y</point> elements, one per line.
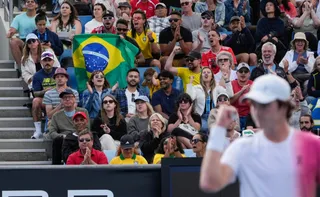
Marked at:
<point>151,138</point>
<point>204,95</point>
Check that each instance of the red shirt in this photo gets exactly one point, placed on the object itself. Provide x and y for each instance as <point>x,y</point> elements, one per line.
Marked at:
<point>77,158</point>
<point>243,108</point>
<point>208,56</point>
<point>102,30</point>
<point>148,7</point>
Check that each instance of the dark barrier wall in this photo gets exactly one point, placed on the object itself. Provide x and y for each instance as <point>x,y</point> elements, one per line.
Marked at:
<point>121,181</point>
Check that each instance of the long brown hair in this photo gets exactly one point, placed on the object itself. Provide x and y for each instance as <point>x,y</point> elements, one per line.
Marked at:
<point>117,114</point>
<point>106,82</point>
<point>212,82</point>
<point>73,16</point>
<point>26,52</point>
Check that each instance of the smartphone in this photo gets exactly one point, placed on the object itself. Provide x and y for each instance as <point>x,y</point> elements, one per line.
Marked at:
<point>45,41</point>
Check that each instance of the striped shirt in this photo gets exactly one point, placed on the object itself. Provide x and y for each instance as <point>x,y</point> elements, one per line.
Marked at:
<point>51,97</point>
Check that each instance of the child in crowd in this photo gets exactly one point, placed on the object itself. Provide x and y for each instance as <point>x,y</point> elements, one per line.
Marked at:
<point>150,80</point>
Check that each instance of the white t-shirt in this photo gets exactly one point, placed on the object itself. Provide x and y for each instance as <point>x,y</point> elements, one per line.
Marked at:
<point>264,168</point>
<point>131,103</point>
<point>89,26</point>
<point>218,76</point>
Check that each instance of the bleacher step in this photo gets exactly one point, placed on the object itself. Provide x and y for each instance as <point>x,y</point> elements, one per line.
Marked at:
<point>6,64</point>
<point>16,122</point>
<point>14,101</point>
<point>8,73</point>
<point>15,111</point>
<point>10,82</point>
<point>23,155</point>
<point>18,163</point>
<point>16,132</point>
<point>12,91</point>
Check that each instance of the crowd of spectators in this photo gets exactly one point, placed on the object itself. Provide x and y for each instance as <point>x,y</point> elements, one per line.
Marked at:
<point>213,46</point>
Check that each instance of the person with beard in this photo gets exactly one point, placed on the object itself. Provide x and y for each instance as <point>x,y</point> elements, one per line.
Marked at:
<point>241,41</point>
<point>192,60</point>
<point>126,97</point>
<point>240,87</point>
<point>209,57</point>
<point>70,142</point>
<point>163,100</point>
<point>204,95</point>
<point>42,82</point>
<point>86,155</point>
<point>122,29</point>
<point>306,123</point>
<point>172,36</point>
<point>107,27</point>
<point>146,39</point>
<point>124,11</point>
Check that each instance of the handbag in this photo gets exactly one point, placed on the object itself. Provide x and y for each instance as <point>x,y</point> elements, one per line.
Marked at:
<point>188,128</point>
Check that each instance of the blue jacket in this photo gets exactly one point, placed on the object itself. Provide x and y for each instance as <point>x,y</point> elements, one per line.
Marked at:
<point>231,11</point>
<point>92,102</point>
<point>53,38</point>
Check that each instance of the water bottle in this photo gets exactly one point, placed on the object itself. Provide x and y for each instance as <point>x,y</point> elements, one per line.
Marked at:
<point>178,83</point>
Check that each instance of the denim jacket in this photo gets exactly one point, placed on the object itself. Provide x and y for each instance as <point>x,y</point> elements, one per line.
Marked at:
<point>219,13</point>
<point>92,102</point>
<point>230,11</point>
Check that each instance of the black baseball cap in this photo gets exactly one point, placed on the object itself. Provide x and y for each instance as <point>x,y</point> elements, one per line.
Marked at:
<point>108,13</point>
<point>194,54</point>
<point>207,13</point>
<point>124,4</point>
<point>66,91</point>
<point>126,142</point>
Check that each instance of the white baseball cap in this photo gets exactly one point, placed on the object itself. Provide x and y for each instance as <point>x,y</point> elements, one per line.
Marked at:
<point>31,36</point>
<point>269,88</point>
<point>243,65</point>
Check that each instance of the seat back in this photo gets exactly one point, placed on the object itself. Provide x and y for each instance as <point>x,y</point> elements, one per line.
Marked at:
<point>84,19</point>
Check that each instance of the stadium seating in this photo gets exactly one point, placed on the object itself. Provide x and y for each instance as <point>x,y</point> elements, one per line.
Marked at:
<point>84,20</point>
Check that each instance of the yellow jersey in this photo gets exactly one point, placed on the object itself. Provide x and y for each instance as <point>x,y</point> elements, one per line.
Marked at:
<point>143,42</point>
<point>136,159</point>
<point>185,73</point>
<point>157,158</point>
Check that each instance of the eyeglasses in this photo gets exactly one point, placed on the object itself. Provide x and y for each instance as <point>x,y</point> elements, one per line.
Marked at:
<point>243,71</point>
<point>67,97</point>
<point>122,29</point>
<point>223,60</point>
<point>108,101</point>
<point>99,76</point>
<point>84,140</point>
<point>184,3</point>
<point>47,59</point>
<point>108,18</point>
<point>206,17</point>
<point>184,100</point>
<point>190,59</point>
<point>195,141</point>
<point>31,41</point>
<point>223,99</point>
<point>173,20</point>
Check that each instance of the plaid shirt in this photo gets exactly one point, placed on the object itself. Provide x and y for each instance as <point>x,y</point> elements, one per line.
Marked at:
<point>157,24</point>
<point>121,97</point>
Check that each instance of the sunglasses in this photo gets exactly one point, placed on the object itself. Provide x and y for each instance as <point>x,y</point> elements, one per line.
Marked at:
<point>206,17</point>
<point>195,141</point>
<point>84,140</point>
<point>99,76</point>
<point>223,60</point>
<point>223,99</point>
<point>47,59</point>
<point>173,20</point>
<point>133,97</point>
<point>31,41</point>
<point>184,3</point>
<point>184,100</point>
<point>108,18</point>
<point>108,101</point>
<point>122,29</point>
<point>67,97</point>
<point>190,59</point>
<point>243,71</point>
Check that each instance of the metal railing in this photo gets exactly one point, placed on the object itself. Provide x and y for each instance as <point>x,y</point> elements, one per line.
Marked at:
<point>8,9</point>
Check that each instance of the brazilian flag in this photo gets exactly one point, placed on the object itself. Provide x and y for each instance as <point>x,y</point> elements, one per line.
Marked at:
<point>104,52</point>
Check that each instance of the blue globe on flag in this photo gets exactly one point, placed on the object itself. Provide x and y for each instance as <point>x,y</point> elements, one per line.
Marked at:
<point>96,57</point>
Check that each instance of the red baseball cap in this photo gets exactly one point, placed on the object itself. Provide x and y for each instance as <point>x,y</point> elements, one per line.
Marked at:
<point>80,113</point>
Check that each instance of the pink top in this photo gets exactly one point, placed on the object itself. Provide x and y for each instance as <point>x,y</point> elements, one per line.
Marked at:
<point>293,11</point>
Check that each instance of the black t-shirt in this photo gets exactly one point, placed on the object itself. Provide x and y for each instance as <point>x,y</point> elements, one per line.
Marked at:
<point>174,117</point>
<point>166,36</point>
<point>132,41</point>
<point>38,66</point>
